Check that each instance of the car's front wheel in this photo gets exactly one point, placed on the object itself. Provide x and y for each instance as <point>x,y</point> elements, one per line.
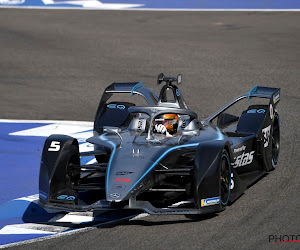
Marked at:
<point>224,179</point>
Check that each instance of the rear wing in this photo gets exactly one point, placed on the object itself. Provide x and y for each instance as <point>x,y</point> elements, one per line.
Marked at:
<point>261,92</point>
<point>265,92</point>
<point>131,88</point>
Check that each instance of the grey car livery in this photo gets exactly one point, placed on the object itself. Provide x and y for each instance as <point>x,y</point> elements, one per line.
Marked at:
<point>200,169</point>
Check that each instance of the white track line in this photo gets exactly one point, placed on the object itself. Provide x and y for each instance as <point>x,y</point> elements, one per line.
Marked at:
<point>21,229</point>
<point>73,218</point>
<point>73,232</point>
<point>16,229</point>
<point>83,123</point>
<point>57,128</point>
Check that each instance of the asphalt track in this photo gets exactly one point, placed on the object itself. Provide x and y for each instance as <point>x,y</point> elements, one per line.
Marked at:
<point>55,65</point>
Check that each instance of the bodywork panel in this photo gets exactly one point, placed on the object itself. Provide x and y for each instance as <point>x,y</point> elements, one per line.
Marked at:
<point>137,168</point>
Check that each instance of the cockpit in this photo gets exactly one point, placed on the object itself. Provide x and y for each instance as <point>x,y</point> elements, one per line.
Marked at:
<point>166,114</point>
<point>146,121</point>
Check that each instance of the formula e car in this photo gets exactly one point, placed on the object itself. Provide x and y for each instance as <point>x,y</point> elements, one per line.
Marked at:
<point>199,168</point>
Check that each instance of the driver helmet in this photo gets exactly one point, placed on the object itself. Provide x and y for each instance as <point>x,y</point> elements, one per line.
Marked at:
<point>170,121</point>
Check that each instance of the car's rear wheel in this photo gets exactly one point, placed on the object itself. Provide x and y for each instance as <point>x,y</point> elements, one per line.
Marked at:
<point>275,141</point>
<point>224,179</point>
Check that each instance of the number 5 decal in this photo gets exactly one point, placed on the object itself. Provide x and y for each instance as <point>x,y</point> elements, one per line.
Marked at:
<point>54,146</point>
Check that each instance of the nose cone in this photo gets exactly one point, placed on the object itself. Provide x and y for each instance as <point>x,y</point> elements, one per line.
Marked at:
<point>127,169</point>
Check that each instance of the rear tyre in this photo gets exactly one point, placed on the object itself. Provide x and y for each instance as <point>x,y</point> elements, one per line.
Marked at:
<point>275,141</point>
<point>224,179</point>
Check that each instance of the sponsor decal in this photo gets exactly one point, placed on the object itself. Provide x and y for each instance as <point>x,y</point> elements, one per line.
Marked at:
<point>122,179</point>
<point>266,132</point>
<point>210,201</point>
<point>66,197</point>
<point>273,238</point>
<point>12,2</point>
<point>123,173</point>
<point>243,159</point>
<point>241,149</point>
<point>276,97</point>
<point>141,124</point>
<point>119,187</point>
<point>115,195</point>
<point>115,106</point>
<point>254,111</point>
<point>183,124</point>
<point>43,195</point>
<point>177,92</point>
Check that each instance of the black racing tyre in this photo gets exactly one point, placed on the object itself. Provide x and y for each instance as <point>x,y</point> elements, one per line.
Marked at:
<point>275,141</point>
<point>73,173</point>
<point>224,179</point>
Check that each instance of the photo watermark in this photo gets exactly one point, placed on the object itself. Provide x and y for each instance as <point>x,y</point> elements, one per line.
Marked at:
<point>274,238</point>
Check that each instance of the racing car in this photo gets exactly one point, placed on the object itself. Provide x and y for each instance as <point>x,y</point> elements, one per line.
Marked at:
<point>159,157</point>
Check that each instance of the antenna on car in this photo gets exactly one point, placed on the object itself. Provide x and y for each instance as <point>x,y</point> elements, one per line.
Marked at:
<point>168,80</point>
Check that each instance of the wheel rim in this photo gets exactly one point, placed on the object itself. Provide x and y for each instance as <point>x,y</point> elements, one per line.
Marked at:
<point>225,179</point>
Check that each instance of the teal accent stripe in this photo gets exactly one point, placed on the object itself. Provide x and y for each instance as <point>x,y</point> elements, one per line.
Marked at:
<point>135,87</point>
<point>220,135</point>
<point>103,138</point>
<point>252,91</point>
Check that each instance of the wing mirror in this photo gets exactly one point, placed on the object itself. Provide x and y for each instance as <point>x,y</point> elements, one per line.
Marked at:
<point>190,132</point>
<point>113,130</point>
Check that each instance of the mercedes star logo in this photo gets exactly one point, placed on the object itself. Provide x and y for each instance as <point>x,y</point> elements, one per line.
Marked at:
<point>115,195</point>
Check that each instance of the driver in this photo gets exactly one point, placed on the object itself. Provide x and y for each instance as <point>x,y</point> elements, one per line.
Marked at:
<point>166,124</point>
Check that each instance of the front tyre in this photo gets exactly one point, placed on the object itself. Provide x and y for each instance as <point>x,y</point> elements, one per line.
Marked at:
<point>73,173</point>
<point>224,179</point>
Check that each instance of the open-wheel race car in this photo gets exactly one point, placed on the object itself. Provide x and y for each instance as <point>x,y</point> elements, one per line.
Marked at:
<point>159,157</point>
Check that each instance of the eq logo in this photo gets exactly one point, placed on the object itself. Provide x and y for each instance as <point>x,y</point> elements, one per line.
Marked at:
<point>266,132</point>
<point>253,111</point>
<point>122,179</point>
<point>66,197</point>
<point>243,159</point>
<point>115,106</point>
